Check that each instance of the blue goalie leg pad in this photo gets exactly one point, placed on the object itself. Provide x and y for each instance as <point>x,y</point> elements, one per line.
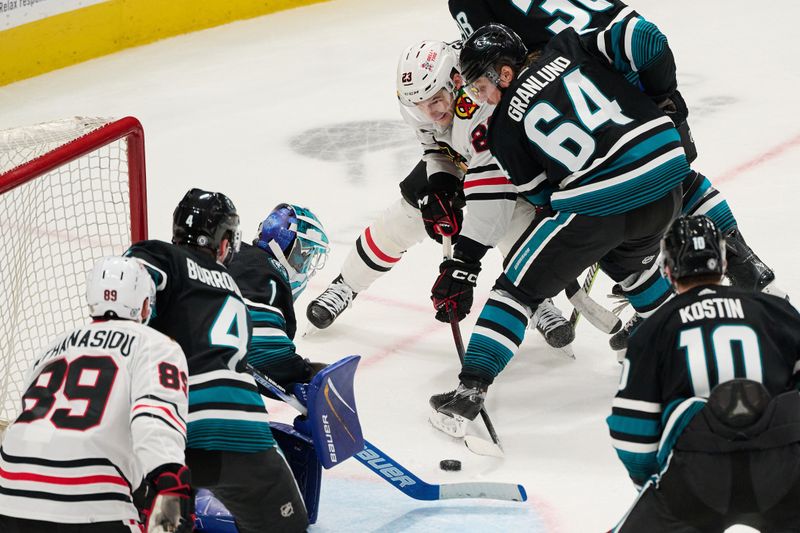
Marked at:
<point>298,449</point>
<point>211,516</point>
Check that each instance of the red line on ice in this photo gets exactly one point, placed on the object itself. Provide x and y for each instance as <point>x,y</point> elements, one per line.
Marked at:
<point>758,160</point>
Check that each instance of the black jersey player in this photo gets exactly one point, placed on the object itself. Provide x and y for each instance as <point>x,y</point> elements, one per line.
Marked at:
<point>230,448</point>
<point>601,159</point>
<point>693,421</point>
<point>538,21</point>
<point>290,247</point>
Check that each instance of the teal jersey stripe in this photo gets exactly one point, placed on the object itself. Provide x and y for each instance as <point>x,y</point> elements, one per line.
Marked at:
<point>638,152</point>
<point>631,194</point>
<point>640,466</point>
<point>224,394</point>
<point>620,64</point>
<point>534,242</point>
<point>505,319</point>
<point>678,427</point>
<point>485,356</point>
<point>266,318</point>
<point>267,351</point>
<point>634,426</point>
<point>722,216</point>
<point>230,435</point>
<point>647,44</point>
<point>649,296</point>
<point>697,195</point>
<point>540,198</point>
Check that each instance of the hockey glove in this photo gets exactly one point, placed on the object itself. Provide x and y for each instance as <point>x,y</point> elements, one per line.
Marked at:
<point>453,288</point>
<point>168,501</point>
<point>440,216</point>
<point>675,108</point>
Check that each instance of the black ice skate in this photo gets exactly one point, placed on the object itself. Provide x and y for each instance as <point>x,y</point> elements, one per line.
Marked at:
<point>745,269</point>
<point>619,341</point>
<point>325,308</point>
<point>454,410</point>
<point>556,330</point>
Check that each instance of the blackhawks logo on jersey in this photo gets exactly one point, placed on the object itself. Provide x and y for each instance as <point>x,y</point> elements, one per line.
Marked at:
<point>465,106</point>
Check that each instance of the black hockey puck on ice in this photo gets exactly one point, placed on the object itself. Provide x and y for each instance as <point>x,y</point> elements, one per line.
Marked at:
<point>450,464</point>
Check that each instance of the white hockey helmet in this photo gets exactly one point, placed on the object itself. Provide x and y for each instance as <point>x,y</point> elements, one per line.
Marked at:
<point>118,287</point>
<point>424,69</point>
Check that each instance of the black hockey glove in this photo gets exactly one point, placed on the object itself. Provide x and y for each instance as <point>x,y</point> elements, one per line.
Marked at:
<point>453,288</point>
<point>440,215</point>
<point>675,108</point>
<point>168,501</point>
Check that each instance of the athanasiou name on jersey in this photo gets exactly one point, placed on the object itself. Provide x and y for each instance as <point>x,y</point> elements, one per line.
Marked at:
<point>107,339</point>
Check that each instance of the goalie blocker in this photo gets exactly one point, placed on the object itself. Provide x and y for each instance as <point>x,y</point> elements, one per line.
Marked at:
<point>329,434</point>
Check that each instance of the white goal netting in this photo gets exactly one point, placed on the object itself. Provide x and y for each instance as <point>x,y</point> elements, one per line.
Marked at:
<point>58,215</point>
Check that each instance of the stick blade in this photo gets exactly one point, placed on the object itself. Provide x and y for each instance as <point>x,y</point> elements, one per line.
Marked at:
<point>484,447</point>
<point>488,491</point>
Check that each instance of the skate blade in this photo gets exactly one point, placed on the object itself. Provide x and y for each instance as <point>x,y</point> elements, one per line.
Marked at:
<point>311,330</point>
<point>566,351</point>
<point>455,426</point>
<point>621,355</point>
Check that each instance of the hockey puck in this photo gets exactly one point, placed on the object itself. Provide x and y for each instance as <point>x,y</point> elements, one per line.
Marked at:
<point>451,465</point>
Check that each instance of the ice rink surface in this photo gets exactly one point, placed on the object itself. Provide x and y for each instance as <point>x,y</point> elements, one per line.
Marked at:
<point>300,107</point>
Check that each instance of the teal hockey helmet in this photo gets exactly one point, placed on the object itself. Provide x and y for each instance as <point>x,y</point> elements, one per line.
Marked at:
<point>295,237</point>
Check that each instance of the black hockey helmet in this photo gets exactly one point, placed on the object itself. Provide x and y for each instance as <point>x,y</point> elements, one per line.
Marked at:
<point>489,45</point>
<point>693,247</point>
<point>204,219</point>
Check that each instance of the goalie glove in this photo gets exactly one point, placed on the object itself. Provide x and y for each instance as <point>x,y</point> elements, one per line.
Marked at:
<point>453,288</point>
<point>168,501</point>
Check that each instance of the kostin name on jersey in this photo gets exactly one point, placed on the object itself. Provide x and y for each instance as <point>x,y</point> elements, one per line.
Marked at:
<point>712,308</point>
<point>215,278</point>
<point>534,83</point>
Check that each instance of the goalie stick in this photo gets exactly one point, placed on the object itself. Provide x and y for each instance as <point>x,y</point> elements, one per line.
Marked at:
<point>475,444</point>
<point>401,477</point>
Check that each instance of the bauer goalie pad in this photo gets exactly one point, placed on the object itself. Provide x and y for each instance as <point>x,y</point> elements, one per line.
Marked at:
<point>332,421</point>
<point>211,516</point>
<point>299,452</point>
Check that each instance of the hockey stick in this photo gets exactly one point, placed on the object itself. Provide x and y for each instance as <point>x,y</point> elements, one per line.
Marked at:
<point>596,314</point>
<point>401,477</point>
<point>475,444</point>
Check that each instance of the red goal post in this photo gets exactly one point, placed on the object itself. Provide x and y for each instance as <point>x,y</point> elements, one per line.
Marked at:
<point>71,191</point>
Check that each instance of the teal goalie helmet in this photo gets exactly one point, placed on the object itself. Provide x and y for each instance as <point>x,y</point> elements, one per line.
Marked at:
<point>294,236</point>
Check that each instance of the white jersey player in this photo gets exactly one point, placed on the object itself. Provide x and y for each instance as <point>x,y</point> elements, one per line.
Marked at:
<point>456,165</point>
<point>104,412</point>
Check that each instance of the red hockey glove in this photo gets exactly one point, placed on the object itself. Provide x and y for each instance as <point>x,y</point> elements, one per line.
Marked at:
<point>453,288</point>
<point>168,503</point>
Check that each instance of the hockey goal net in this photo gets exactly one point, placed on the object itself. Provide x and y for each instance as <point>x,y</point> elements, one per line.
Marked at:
<point>71,191</point>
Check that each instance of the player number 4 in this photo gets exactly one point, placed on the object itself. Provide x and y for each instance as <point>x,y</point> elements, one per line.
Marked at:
<point>230,329</point>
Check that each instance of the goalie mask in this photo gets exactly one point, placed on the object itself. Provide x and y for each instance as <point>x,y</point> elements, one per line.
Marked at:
<point>294,236</point>
<point>117,288</point>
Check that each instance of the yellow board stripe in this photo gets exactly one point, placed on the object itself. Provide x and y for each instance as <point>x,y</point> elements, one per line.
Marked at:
<point>97,30</point>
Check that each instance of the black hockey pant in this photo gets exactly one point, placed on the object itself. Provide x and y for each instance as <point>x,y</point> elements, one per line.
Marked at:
<point>257,488</point>
<point>707,493</point>
<point>19,525</point>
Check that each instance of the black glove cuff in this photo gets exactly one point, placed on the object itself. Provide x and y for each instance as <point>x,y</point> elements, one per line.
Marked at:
<point>443,182</point>
<point>469,250</point>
